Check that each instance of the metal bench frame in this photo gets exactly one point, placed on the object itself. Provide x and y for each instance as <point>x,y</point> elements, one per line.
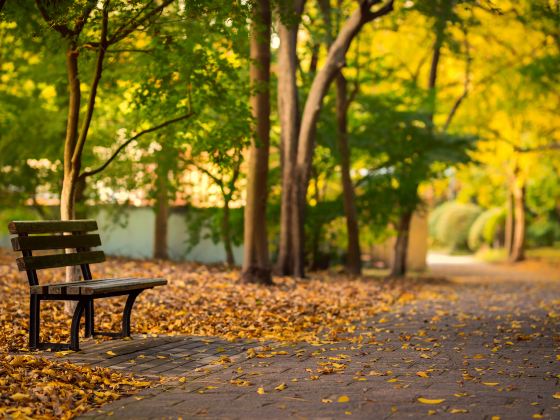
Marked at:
<point>82,257</point>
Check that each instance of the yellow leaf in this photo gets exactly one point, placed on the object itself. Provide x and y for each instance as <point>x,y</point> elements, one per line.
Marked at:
<point>557,395</point>
<point>429,401</point>
<point>343,399</point>
<point>281,387</point>
<point>348,413</point>
<point>182,379</point>
<point>141,383</point>
<point>537,416</point>
<point>495,418</point>
<point>422,374</point>
<point>326,401</point>
<point>111,353</point>
<point>458,411</point>
<point>18,396</point>
<point>261,390</point>
<point>211,387</point>
<point>490,383</point>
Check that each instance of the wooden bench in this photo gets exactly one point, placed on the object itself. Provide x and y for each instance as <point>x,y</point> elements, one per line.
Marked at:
<point>73,237</point>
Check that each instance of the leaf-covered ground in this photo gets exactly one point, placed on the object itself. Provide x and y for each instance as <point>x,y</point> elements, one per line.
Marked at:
<point>33,387</point>
<point>199,300</point>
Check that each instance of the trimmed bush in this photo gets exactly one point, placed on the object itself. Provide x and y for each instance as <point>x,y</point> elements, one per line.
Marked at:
<point>453,225</point>
<point>435,215</point>
<point>487,227</point>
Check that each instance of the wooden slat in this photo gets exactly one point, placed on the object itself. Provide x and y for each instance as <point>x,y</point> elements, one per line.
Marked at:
<point>21,243</point>
<point>118,285</point>
<point>59,260</point>
<point>62,288</point>
<point>52,226</point>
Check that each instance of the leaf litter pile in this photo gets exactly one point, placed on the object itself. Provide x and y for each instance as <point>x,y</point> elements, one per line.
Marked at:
<point>199,300</point>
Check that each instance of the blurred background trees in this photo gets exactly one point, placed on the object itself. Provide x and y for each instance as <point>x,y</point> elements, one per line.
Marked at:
<point>308,131</point>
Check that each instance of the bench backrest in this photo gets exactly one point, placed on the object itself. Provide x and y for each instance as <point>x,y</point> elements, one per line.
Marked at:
<point>69,235</point>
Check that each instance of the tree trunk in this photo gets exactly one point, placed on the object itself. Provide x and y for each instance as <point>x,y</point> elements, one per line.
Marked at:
<point>353,259</point>
<point>288,115</point>
<point>226,235</point>
<point>256,266</point>
<point>518,243</point>
<point>401,246</point>
<point>162,215</point>
<point>509,228</point>
<point>306,139</point>
<point>69,182</point>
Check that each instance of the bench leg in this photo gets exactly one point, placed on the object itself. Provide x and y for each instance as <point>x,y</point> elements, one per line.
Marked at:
<point>34,321</point>
<point>90,331</point>
<point>126,313</point>
<point>75,329</point>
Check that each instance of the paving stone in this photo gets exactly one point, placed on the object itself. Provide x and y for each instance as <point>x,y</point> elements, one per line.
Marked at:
<point>465,325</point>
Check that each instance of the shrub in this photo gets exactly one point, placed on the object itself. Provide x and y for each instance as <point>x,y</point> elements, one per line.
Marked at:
<point>434,218</point>
<point>543,232</point>
<point>487,227</point>
<point>453,225</point>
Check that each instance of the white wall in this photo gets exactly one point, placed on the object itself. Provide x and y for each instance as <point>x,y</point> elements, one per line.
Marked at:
<point>136,239</point>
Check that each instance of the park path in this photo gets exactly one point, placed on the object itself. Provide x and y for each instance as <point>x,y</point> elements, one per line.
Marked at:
<point>481,342</point>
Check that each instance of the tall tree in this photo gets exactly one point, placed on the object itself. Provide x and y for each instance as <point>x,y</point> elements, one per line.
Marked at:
<point>344,99</point>
<point>334,61</point>
<point>289,15</point>
<point>256,264</point>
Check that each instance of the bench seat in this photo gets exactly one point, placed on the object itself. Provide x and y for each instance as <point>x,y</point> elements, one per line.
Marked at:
<point>97,287</point>
<point>70,242</point>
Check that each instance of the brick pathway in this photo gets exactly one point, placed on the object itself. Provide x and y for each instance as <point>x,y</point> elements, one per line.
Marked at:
<point>484,343</point>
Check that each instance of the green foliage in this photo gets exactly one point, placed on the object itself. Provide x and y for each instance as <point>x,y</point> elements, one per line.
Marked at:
<point>435,216</point>
<point>487,228</point>
<point>452,229</point>
<point>543,231</point>
<point>400,149</point>
<point>206,223</point>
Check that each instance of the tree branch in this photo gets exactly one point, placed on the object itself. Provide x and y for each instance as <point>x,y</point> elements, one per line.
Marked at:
<point>124,31</point>
<point>77,154</point>
<point>64,30</point>
<point>370,15</point>
<point>130,140</point>
<point>466,86</point>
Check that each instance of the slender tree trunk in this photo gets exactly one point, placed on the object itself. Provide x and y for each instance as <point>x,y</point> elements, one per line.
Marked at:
<point>401,246</point>
<point>306,139</point>
<point>288,114</point>
<point>354,260</point>
<point>509,228</point>
<point>69,182</point>
<point>518,243</point>
<point>162,215</point>
<point>67,211</point>
<point>226,235</point>
<point>256,265</point>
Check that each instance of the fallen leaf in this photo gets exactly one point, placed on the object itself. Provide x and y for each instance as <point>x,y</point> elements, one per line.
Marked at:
<point>343,399</point>
<point>18,396</point>
<point>430,401</point>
